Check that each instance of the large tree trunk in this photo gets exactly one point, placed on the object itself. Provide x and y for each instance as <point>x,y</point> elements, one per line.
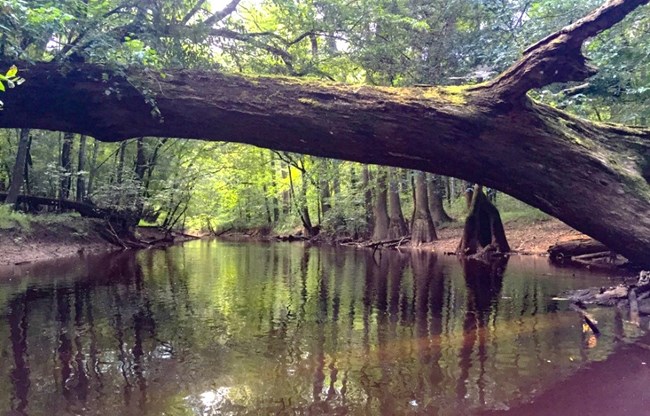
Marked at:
<point>18,173</point>
<point>66,166</point>
<point>274,187</point>
<point>483,233</point>
<point>367,196</point>
<point>593,176</point>
<point>423,230</point>
<point>396,224</point>
<point>435,188</point>
<point>380,207</point>
<point>92,175</point>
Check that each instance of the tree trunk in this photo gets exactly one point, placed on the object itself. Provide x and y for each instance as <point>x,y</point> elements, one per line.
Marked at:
<point>66,166</point>
<point>17,176</point>
<point>380,207</point>
<point>423,230</point>
<point>140,160</point>
<point>274,187</point>
<point>325,193</point>
<point>367,197</point>
<point>304,207</point>
<point>81,166</point>
<point>93,168</point>
<point>286,194</point>
<point>592,176</point>
<point>435,186</point>
<point>28,165</point>
<point>396,225</point>
<point>119,168</point>
<point>483,228</point>
<point>151,165</point>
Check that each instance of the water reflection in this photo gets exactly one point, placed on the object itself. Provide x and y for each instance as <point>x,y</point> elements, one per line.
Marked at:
<point>214,328</point>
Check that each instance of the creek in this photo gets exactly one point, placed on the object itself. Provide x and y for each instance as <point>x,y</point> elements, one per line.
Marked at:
<point>212,328</point>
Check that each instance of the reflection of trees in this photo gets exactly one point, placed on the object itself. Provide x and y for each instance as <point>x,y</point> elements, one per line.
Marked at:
<point>484,282</point>
<point>429,303</point>
<point>18,325</point>
<point>288,329</point>
<point>116,289</point>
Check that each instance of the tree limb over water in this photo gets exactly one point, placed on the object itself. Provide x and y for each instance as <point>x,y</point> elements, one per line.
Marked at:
<point>593,176</point>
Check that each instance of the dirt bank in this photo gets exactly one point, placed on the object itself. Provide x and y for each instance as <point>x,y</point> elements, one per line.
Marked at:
<point>526,237</point>
<point>71,236</point>
<point>51,239</point>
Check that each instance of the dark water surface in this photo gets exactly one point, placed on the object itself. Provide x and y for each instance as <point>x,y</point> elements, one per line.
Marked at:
<point>212,328</point>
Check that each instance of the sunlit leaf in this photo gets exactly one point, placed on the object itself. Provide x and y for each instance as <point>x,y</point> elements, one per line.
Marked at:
<point>12,71</point>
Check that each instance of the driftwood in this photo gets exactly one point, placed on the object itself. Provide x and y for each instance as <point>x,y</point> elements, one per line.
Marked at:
<point>575,248</point>
<point>589,320</point>
<point>396,242</point>
<point>633,297</point>
<point>290,238</point>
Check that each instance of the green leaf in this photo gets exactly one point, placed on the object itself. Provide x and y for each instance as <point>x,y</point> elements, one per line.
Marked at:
<point>2,86</point>
<point>12,71</point>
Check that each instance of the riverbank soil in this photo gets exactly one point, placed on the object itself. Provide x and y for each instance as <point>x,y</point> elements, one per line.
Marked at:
<point>524,236</point>
<point>58,236</point>
<point>55,238</point>
<point>70,236</point>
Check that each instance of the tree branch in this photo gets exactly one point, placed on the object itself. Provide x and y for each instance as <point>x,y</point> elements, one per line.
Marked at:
<point>558,57</point>
<point>220,15</point>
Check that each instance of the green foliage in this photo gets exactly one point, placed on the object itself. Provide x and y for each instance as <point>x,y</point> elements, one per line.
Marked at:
<point>10,79</point>
<point>208,186</point>
<point>10,219</point>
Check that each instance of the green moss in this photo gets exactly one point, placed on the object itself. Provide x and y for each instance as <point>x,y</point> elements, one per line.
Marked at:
<point>311,102</point>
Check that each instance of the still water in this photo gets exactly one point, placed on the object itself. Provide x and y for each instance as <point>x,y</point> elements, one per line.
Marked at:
<point>214,328</point>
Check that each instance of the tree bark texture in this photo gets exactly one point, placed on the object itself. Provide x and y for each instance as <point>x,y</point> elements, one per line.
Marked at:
<point>396,224</point>
<point>592,176</point>
<point>66,166</point>
<point>18,172</point>
<point>380,207</point>
<point>423,230</point>
<point>483,228</point>
<point>435,187</point>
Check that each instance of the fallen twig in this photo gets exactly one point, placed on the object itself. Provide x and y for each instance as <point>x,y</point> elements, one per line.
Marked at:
<point>587,317</point>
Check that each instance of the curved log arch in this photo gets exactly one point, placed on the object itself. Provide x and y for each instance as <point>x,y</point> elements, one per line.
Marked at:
<point>592,176</point>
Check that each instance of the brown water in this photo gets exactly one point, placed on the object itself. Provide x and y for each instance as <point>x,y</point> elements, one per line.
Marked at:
<point>213,328</point>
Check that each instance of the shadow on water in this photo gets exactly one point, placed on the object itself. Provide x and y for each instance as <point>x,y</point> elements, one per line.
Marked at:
<point>216,328</point>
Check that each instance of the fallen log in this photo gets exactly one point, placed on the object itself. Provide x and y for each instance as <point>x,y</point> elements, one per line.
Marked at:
<point>594,256</point>
<point>574,248</point>
<point>84,209</point>
<point>290,238</point>
<point>380,243</point>
<point>567,167</point>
